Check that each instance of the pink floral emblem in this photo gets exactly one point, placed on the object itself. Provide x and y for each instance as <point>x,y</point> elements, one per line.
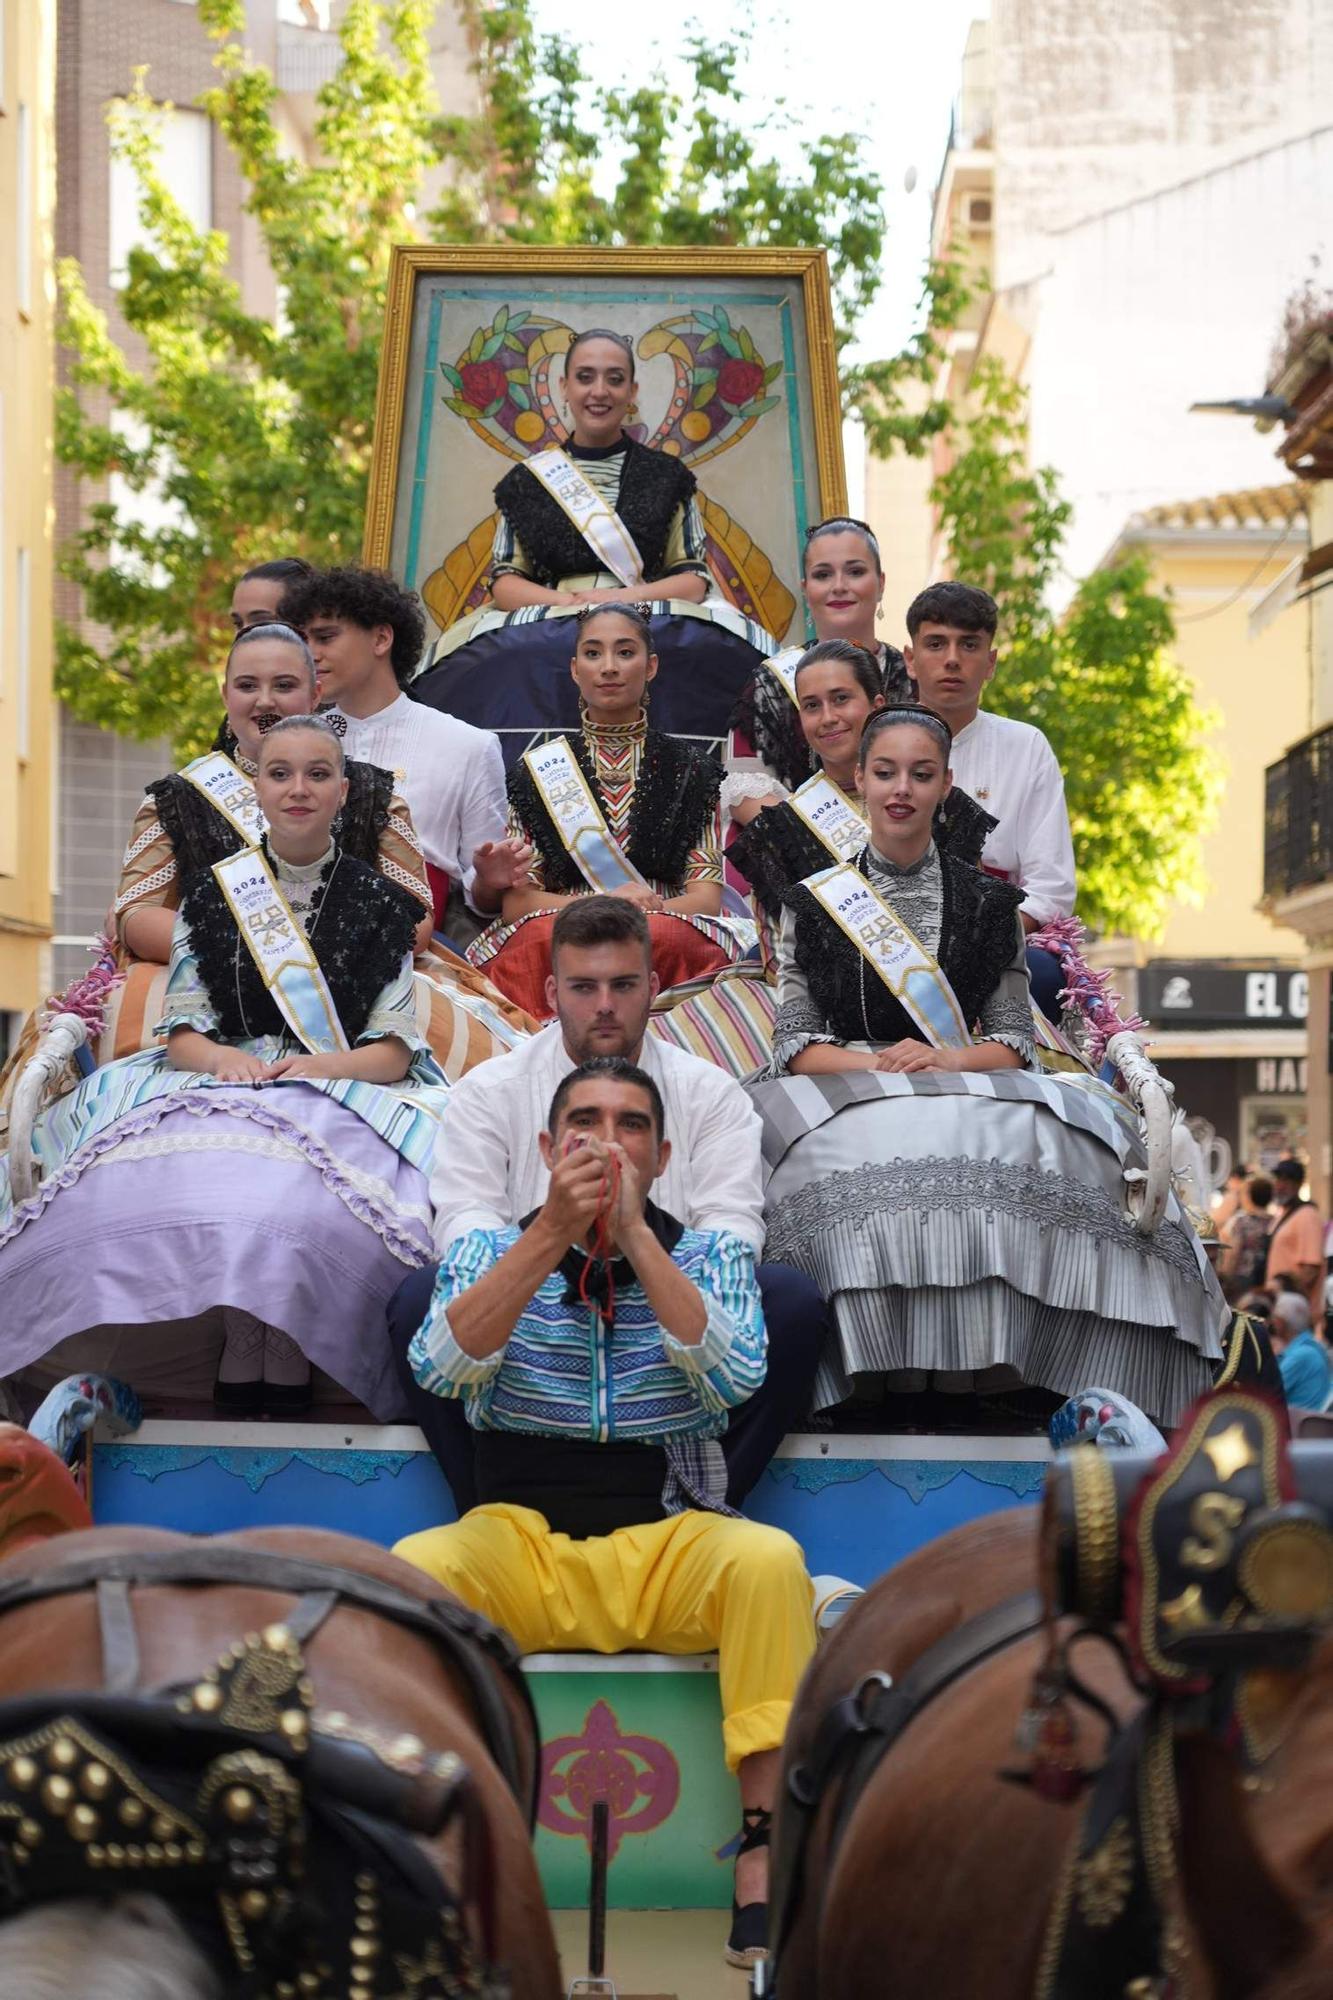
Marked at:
<point>636,1775</point>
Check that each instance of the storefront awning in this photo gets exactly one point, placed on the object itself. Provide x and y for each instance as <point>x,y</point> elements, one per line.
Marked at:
<point>1203,1044</point>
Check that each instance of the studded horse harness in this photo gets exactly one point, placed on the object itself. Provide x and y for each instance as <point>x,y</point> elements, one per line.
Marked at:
<point>1210,1571</point>
<point>286,1838</point>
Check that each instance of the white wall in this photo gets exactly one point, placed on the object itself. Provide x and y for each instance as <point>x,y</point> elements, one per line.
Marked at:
<point>1169,300</point>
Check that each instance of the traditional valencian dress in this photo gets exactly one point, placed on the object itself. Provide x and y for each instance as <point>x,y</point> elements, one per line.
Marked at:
<point>657,799</point>
<point>180,829</point>
<point>200,815</point>
<point>166,1194</point>
<point>509,671</point>
<point>766,749</point>
<point>968,1229</point>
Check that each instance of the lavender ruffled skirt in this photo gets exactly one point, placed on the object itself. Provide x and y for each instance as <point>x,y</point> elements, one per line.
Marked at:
<point>281,1202</point>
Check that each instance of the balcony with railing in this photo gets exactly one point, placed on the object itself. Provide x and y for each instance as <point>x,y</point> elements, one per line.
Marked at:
<point>1298,817</point>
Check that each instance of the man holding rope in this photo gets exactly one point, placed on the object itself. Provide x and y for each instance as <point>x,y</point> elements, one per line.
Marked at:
<point>597,1349</point>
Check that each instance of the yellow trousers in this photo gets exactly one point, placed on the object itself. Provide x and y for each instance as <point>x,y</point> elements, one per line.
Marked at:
<point>683,1585</point>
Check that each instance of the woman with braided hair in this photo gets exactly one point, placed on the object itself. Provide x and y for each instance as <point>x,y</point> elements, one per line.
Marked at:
<point>962,1213</point>
<point>617,808</point>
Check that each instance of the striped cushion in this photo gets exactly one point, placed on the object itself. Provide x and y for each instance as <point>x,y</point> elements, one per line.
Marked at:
<point>730,1024</point>
<point>454,1005</point>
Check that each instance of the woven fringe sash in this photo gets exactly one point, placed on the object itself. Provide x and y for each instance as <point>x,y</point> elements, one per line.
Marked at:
<point>598,522</point>
<point>281,950</point>
<point>893,953</point>
<point>578,818</point>
<point>229,792</point>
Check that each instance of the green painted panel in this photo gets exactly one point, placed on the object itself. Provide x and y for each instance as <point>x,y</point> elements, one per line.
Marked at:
<point>651,1745</point>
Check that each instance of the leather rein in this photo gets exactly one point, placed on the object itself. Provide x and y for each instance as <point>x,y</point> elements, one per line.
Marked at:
<point>855,1736</point>
<point>465,1642</point>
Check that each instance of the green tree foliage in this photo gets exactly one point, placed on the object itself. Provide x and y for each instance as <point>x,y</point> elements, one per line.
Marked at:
<point>253,438</point>
<point>1122,718</point>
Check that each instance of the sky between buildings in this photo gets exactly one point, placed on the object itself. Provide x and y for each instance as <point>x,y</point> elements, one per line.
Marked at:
<point>886,69</point>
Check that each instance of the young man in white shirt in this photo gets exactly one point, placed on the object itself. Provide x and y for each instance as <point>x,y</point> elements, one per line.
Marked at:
<point>367,638</point>
<point>489,1173</point>
<point>1008,767</point>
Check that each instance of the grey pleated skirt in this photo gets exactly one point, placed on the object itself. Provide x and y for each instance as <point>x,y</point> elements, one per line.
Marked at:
<point>971,1232</point>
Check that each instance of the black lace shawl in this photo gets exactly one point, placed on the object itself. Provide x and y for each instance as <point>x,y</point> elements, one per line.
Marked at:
<point>199,835</point>
<point>777,848</point>
<point>766,716</point>
<point>676,793</point>
<point>652,486</point>
<point>365,931</point>
<point>977,942</point>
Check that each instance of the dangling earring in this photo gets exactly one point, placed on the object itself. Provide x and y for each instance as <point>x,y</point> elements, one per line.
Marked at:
<point>632,413</point>
<point>879,612</point>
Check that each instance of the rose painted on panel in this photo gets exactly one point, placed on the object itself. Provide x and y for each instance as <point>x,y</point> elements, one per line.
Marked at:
<point>484,383</point>
<point>738,381</point>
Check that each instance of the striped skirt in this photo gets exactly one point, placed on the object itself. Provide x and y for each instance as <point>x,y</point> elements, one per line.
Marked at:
<point>971,1232</point>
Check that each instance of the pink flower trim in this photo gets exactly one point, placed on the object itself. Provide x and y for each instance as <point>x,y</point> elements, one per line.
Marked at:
<point>88,995</point>
<point>1089,993</point>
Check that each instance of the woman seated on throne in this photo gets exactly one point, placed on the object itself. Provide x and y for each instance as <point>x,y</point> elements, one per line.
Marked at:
<point>619,809</point>
<point>261,1185</point>
<point>600,518</point>
<point>963,1214</point>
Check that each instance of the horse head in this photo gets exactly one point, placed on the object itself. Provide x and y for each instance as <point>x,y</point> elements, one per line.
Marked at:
<point>1257,1856</point>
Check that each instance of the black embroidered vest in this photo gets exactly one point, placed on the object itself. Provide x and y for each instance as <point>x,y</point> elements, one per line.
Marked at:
<point>766,716</point>
<point>199,835</point>
<point>977,941</point>
<point>652,486</point>
<point>363,932</point>
<point>777,848</point>
<point>674,798</point>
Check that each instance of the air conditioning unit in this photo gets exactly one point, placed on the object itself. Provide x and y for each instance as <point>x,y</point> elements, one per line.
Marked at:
<point>977,213</point>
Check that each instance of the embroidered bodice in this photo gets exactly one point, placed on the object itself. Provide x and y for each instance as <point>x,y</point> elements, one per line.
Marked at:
<point>966,920</point>
<point>659,797</point>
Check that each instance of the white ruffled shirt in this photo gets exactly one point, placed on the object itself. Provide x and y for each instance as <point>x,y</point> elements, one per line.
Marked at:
<point>488,1172</point>
<point>451,775</point>
<point>1009,768</point>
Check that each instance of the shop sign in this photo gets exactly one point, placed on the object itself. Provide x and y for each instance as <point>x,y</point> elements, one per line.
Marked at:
<point>1280,1076</point>
<point>1213,993</point>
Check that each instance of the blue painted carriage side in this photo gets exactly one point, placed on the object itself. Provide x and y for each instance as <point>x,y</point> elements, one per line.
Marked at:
<point>853,1516</point>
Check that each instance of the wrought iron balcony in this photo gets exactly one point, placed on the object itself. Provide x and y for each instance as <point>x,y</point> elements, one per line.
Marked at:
<point>1298,817</point>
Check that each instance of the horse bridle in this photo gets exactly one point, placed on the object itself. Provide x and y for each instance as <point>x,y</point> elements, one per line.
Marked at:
<point>266,1810</point>
<point>852,1741</point>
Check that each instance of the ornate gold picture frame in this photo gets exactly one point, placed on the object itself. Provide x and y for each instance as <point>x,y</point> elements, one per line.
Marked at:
<point>737,371</point>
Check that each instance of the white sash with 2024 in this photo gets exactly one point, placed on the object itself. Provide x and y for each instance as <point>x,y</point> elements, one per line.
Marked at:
<point>578,818</point>
<point>281,950</point>
<point>830,816</point>
<point>596,519</point>
<point>894,953</point>
<point>229,792</point>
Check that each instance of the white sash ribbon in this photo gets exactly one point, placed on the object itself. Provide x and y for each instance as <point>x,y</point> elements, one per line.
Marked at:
<point>229,792</point>
<point>596,520</point>
<point>783,667</point>
<point>578,818</point>
<point>281,950</point>
<point>892,951</point>
<point>830,816</point>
